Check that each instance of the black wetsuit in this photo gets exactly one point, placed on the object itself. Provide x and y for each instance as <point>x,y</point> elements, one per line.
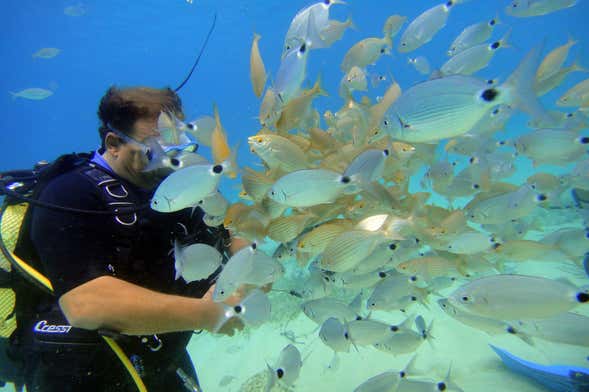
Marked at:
<point>75,249</point>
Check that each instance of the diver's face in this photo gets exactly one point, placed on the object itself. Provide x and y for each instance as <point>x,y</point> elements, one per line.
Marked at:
<point>132,154</point>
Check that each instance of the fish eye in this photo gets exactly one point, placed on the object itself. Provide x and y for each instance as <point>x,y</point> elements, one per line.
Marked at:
<point>382,50</point>
<point>191,126</point>
<point>465,299</point>
<point>238,309</point>
<point>279,373</point>
<point>174,162</point>
<point>441,386</point>
<point>394,328</point>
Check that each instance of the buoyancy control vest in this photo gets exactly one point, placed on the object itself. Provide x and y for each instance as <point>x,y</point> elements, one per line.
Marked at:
<point>35,312</point>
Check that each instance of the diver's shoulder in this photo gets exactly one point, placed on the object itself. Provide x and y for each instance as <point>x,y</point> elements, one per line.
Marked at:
<point>71,185</point>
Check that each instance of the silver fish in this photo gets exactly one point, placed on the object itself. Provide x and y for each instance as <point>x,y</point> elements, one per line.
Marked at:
<point>513,297</point>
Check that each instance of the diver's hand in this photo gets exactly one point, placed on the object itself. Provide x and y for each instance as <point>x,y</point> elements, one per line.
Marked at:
<point>218,310</point>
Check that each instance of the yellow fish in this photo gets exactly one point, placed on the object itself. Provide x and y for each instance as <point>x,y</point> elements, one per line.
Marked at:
<point>257,69</point>
<point>220,147</point>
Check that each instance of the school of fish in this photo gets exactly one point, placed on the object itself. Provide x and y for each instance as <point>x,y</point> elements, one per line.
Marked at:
<point>335,199</point>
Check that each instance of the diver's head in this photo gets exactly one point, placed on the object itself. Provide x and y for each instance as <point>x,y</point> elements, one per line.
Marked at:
<point>121,108</point>
<point>129,129</point>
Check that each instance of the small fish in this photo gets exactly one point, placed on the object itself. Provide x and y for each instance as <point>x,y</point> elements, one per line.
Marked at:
<point>348,249</point>
<point>305,188</point>
<point>529,8</point>
<point>202,129</point>
<point>287,228</point>
<point>468,243</point>
<point>253,310</point>
<point>186,187</point>
<point>394,292</point>
<point>558,378</point>
<point>406,340</point>
<point>315,241</point>
<point>512,297</point>
<point>485,324</point>
<point>270,108</point>
<point>257,70</point>
<point>75,10</point>
<point>452,105</point>
<point>291,73</point>
<point>421,64</point>
<point>366,332</point>
<point>473,59</point>
<point>299,110</point>
<point>578,95</point>
<point>367,166</point>
<point>335,335</point>
<point>256,184</point>
<point>552,146</point>
<point>278,152</point>
<point>473,35</point>
<point>554,60</point>
<point>500,206</point>
<point>46,53</point>
<point>568,328</point>
<point>354,80</point>
<point>287,369</point>
<point>196,262</point>
<point>392,25</point>
<point>334,31</point>
<point>308,25</point>
<point>551,82</point>
<point>214,204</point>
<point>34,94</point>
<point>248,266</point>
<point>423,28</point>
<point>366,52</point>
<point>319,310</point>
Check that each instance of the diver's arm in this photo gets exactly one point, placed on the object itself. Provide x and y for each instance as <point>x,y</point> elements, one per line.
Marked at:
<point>110,303</point>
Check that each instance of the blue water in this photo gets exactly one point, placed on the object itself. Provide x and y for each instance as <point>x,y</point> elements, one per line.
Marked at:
<point>154,43</point>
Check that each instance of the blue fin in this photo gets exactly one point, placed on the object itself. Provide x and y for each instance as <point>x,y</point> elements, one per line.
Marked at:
<point>559,378</point>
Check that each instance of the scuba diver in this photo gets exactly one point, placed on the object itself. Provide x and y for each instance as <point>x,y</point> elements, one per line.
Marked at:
<point>98,307</point>
<point>113,272</point>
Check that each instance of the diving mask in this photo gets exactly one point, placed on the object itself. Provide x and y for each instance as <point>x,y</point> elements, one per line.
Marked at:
<point>172,140</point>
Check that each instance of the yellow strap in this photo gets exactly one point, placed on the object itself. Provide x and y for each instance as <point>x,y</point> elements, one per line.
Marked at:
<point>39,277</point>
<point>128,365</point>
<point>42,279</point>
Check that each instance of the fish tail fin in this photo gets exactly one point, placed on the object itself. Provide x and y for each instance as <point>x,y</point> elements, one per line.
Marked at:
<point>504,41</point>
<point>450,384</point>
<point>497,19</point>
<point>410,369</point>
<point>521,86</point>
<point>230,166</point>
<point>351,24</point>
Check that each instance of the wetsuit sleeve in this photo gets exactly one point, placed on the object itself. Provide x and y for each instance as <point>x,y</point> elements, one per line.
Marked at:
<point>72,247</point>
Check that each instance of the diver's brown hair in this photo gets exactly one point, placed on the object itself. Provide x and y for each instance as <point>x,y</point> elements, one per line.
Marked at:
<point>121,107</point>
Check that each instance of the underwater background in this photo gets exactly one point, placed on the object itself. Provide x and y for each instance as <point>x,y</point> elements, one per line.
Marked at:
<point>155,42</point>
